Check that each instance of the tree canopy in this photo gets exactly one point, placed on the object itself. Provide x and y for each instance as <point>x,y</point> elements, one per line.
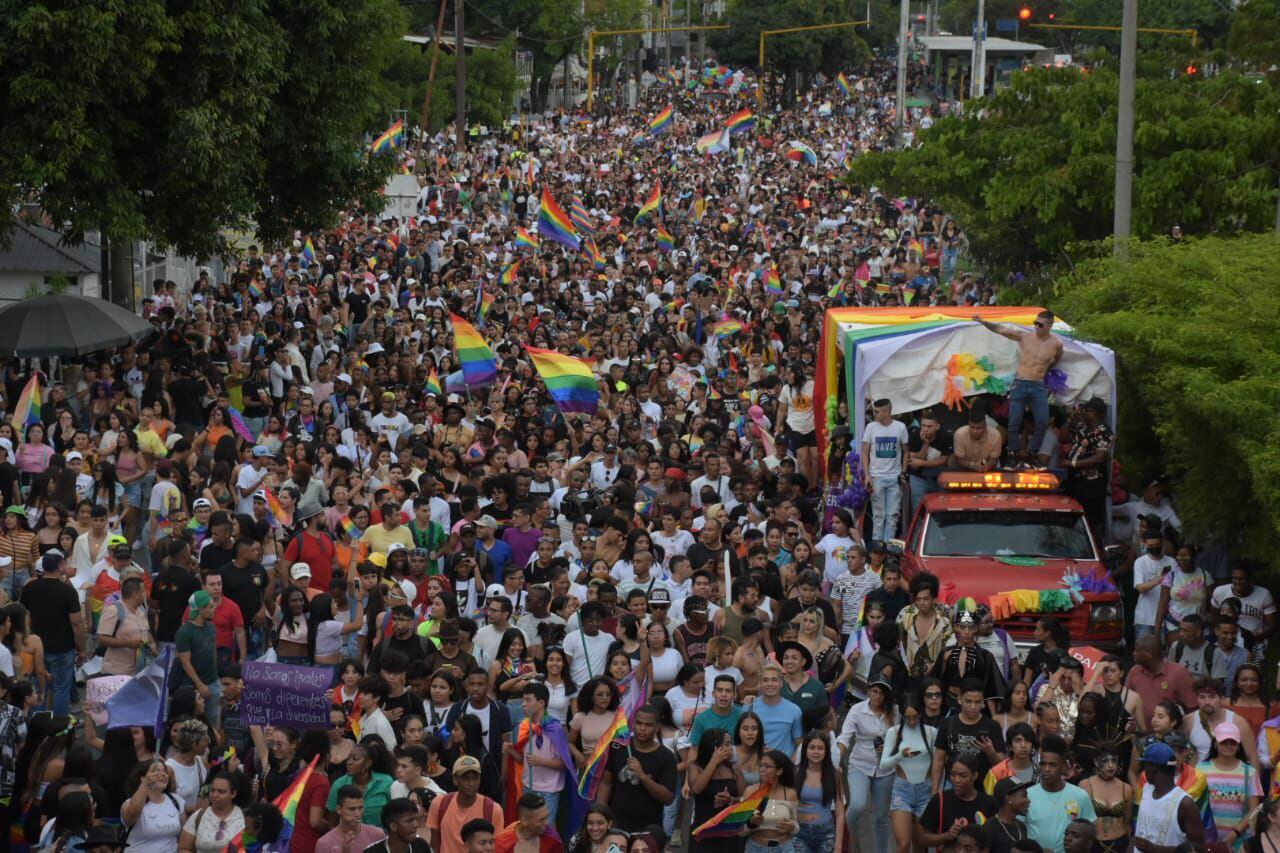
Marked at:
<point>1193,326</point>
<point>820,50</point>
<point>1031,172</point>
<point>177,120</point>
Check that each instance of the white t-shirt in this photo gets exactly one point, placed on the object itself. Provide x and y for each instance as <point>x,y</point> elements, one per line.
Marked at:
<point>1146,569</point>
<point>166,497</point>
<point>392,427</point>
<point>188,779</point>
<point>834,549</point>
<point>158,827</point>
<point>799,407</point>
<point>586,654</point>
<point>673,546</point>
<point>249,478</point>
<point>1254,608</point>
<point>887,446</point>
<point>203,824</point>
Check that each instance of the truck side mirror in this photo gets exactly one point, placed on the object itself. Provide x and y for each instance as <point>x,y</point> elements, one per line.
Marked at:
<point>1113,556</point>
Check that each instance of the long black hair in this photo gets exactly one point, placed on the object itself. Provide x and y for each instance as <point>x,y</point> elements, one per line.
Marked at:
<point>827,769</point>
<point>711,740</point>
<point>915,702</point>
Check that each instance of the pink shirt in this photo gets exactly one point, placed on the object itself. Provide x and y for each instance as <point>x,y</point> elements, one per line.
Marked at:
<point>333,841</point>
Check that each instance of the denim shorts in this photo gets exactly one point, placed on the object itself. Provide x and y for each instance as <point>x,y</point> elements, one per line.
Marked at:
<point>910,796</point>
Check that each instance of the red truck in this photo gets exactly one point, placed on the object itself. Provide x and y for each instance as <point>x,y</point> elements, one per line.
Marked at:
<point>986,533</point>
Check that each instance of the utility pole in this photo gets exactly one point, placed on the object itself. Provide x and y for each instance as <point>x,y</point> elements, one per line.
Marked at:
<point>900,108</point>
<point>460,92</point>
<point>1124,128</point>
<point>431,83</point>
<point>978,71</point>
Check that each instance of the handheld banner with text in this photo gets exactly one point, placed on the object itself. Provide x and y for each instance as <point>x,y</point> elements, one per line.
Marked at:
<point>281,694</point>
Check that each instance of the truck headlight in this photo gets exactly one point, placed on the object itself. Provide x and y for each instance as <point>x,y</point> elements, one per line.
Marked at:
<point>1109,612</point>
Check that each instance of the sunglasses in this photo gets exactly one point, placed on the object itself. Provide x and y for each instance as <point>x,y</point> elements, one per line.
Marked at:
<point>933,694</point>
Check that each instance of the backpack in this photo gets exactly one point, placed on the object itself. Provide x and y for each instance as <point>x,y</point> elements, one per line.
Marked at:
<point>1175,655</point>
<point>101,650</point>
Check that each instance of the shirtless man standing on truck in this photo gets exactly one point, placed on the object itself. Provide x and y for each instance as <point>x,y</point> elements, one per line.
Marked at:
<point>1037,352</point>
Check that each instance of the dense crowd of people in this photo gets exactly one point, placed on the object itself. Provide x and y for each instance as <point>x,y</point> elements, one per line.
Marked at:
<point>289,471</point>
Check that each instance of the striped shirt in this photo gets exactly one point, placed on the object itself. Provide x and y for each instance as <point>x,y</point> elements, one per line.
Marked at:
<point>22,546</point>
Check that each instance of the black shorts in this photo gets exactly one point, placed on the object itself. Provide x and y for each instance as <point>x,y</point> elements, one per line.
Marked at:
<point>802,439</point>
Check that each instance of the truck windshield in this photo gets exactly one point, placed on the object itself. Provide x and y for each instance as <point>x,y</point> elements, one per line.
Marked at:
<point>972,533</point>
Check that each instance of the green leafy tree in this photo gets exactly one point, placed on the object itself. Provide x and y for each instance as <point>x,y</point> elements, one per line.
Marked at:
<point>491,87</point>
<point>1193,328</point>
<point>1255,34</point>
<point>174,121</point>
<point>805,53</point>
<point>1032,172</point>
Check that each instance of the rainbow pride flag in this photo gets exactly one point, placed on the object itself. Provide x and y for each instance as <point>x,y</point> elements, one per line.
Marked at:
<point>842,83</point>
<point>390,140</point>
<point>350,527</point>
<point>731,820</point>
<point>508,278</point>
<point>289,799</point>
<point>743,121</point>
<point>554,225</point>
<point>277,511</point>
<point>726,327</point>
<point>666,242</point>
<point>772,283</point>
<point>661,121</point>
<point>715,142</point>
<point>652,203</point>
<point>569,380</point>
<point>30,401</point>
<point>578,215</point>
<point>593,772</point>
<point>597,259</point>
<point>479,367</point>
<point>433,385</point>
<point>309,252</point>
<point>525,240</point>
<point>487,298</point>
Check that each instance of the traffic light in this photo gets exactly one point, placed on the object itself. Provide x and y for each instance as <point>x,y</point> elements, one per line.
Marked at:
<point>1192,70</point>
<point>1024,14</point>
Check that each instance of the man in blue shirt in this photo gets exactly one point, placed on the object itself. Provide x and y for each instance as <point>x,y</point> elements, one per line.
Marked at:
<point>780,718</point>
<point>1055,803</point>
<point>723,713</point>
<point>499,552</point>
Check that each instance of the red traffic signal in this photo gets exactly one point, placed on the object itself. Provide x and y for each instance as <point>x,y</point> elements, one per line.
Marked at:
<point>1024,14</point>
<point>920,18</point>
<point>1191,70</point>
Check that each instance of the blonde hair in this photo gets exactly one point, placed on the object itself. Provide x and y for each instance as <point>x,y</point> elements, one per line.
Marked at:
<point>816,613</point>
<point>717,646</point>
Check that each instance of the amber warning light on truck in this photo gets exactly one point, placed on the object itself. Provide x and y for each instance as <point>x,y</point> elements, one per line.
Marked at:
<point>1020,481</point>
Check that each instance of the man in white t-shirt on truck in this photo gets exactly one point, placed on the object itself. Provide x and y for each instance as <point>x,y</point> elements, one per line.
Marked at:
<point>884,444</point>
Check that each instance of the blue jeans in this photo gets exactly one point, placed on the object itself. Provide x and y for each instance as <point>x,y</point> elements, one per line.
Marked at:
<point>815,837</point>
<point>552,799</point>
<point>1027,392</point>
<point>756,847</point>
<point>950,258</point>
<point>62,675</point>
<point>920,486</point>
<point>15,582</point>
<point>886,505</point>
<point>874,793</point>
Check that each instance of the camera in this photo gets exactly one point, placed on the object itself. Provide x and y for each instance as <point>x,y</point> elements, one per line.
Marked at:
<point>578,506</point>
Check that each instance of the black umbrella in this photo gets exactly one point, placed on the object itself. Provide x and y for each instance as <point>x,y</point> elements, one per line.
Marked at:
<point>66,325</point>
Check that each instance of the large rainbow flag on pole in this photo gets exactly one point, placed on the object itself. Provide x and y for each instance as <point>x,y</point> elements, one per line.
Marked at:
<point>731,820</point>
<point>554,225</point>
<point>741,122</point>
<point>30,401</point>
<point>479,367</point>
<point>569,381</point>
<point>579,216</point>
